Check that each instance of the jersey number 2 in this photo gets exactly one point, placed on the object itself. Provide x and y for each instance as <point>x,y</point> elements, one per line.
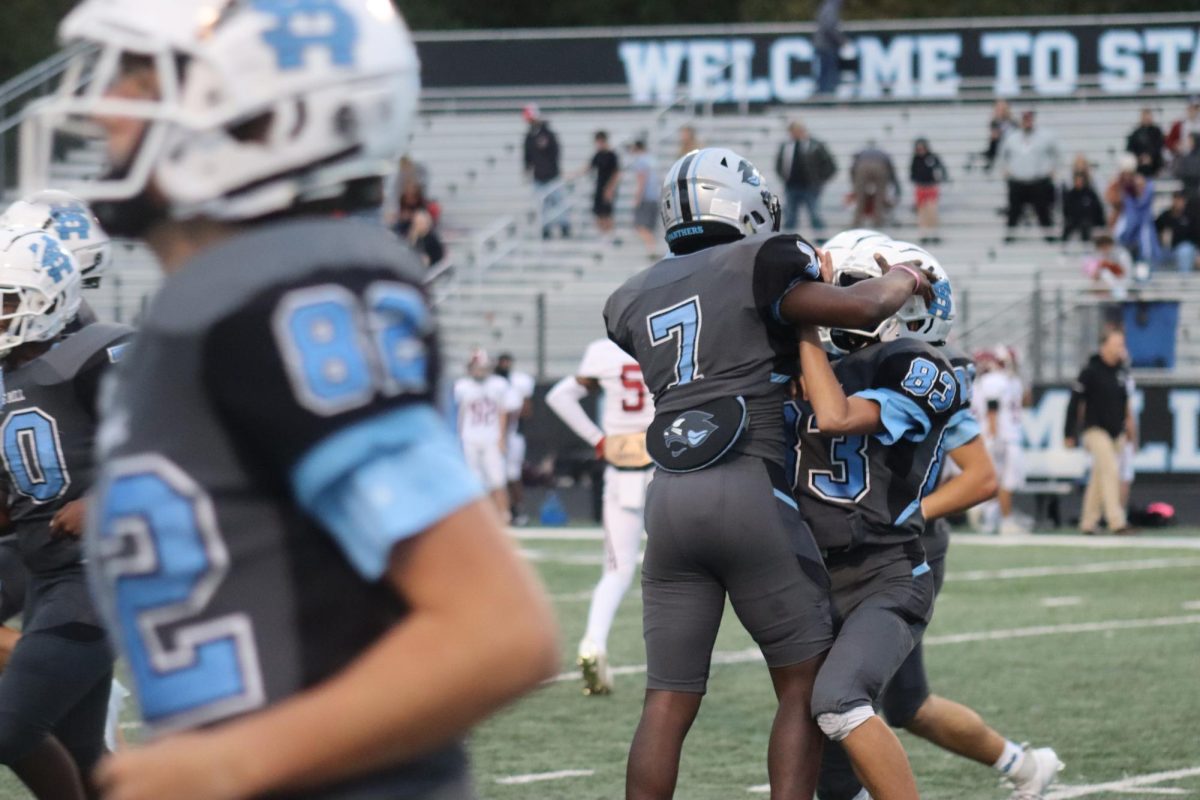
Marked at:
<point>681,323</point>
<point>163,560</point>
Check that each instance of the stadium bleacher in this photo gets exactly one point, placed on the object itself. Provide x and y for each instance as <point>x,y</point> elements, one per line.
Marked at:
<point>475,163</point>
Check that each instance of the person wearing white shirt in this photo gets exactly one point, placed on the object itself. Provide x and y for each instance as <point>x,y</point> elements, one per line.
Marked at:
<point>482,399</point>
<point>520,406</point>
<point>627,410</point>
<point>1029,158</point>
<point>1001,391</point>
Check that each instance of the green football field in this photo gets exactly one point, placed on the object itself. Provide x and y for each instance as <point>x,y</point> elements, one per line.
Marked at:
<point>1091,646</point>
<point>1087,647</point>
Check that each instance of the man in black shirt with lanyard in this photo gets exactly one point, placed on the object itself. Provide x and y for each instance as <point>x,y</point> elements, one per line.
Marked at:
<point>1100,408</point>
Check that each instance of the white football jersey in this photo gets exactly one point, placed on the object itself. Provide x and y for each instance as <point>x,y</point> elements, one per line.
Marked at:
<point>1005,389</point>
<point>627,405</point>
<point>521,386</point>
<point>481,404</point>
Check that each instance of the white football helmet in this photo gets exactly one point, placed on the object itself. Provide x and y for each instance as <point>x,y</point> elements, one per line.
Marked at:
<point>259,106</point>
<point>70,219</point>
<point>851,265</point>
<point>933,323</point>
<point>39,287</point>
<point>854,237</point>
<point>711,190</point>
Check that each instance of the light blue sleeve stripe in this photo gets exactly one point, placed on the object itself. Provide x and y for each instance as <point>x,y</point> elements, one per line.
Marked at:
<point>902,418</point>
<point>920,569</point>
<point>961,429</point>
<point>382,481</point>
<point>775,308</point>
<point>788,500</point>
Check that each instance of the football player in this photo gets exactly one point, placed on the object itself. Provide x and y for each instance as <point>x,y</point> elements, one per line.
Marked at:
<point>712,327</point>
<point>482,399</point>
<point>72,221</point>
<point>864,458</point>
<point>627,411</point>
<point>519,407</point>
<point>313,594</point>
<point>907,702</point>
<point>54,690</point>
<point>1001,384</point>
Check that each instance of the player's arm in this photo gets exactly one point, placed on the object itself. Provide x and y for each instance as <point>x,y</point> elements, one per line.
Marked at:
<point>836,413</point>
<point>565,399</point>
<point>863,305</point>
<point>974,485</point>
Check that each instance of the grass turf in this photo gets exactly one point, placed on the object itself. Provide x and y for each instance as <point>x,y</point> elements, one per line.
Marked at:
<point>1114,703</point>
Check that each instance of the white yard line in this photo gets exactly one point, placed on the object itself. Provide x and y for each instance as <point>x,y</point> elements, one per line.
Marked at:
<point>1090,568</point>
<point>1020,540</point>
<point>751,654</point>
<point>1124,785</point>
<point>1060,602</point>
<point>536,777</point>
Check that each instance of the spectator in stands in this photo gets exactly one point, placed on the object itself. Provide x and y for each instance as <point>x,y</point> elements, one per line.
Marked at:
<point>828,42</point>
<point>417,223</point>
<point>926,172</point>
<point>1081,208</point>
<point>688,141</point>
<point>647,196</point>
<point>1179,137</point>
<point>1114,193</point>
<point>999,125</point>
<point>412,172</point>
<point>805,165</point>
<point>875,186</point>
<point>606,166</point>
<point>1029,158</point>
<point>1179,232</point>
<point>1135,226</point>
<point>1109,268</point>
<point>541,166</point>
<point>1146,143</point>
<point>1187,168</point>
<point>1100,409</point>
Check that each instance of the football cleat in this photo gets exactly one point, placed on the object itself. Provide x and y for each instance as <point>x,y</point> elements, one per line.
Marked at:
<point>593,664</point>
<point>1046,767</point>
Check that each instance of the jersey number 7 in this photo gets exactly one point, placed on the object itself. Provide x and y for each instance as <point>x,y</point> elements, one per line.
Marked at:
<point>681,322</point>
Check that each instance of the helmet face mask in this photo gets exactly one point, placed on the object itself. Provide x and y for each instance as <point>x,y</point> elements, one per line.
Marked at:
<point>39,287</point>
<point>714,193</point>
<point>229,111</point>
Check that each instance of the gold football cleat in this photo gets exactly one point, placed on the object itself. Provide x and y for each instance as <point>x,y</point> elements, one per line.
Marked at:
<point>597,677</point>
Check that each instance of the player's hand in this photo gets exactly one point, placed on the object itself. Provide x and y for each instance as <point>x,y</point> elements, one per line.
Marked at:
<point>69,520</point>
<point>600,449</point>
<point>826,265</point>
<point>925,276</point>
<point>181,767</point>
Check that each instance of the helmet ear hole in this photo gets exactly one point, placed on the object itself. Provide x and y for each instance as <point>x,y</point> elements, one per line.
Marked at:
<point>758,218</point>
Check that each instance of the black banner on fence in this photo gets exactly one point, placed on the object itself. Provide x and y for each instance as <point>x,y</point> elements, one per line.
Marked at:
<point>775,64</point>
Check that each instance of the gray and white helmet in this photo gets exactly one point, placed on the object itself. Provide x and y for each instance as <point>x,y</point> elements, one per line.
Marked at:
<point>709,191</point>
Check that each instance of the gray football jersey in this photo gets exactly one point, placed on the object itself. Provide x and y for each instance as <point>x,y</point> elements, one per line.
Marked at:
<point>868,488</point>
<point>706,325</point>
<point>221,586</point>
<point>49,422</point>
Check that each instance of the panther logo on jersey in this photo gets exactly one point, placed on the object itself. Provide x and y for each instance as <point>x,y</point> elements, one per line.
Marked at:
<point>689,430</point>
